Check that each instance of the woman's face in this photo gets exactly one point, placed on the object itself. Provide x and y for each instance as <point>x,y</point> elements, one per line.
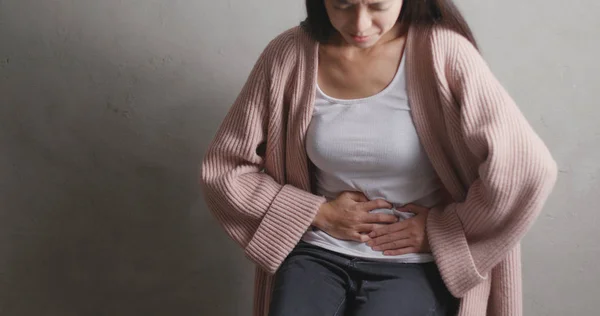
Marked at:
<point>362,23</point>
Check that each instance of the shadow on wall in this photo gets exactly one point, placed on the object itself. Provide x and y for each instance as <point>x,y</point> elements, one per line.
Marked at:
<point>101,212</point>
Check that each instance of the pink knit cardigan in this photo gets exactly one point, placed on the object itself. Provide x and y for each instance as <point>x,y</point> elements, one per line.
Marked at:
<point>256,175</point>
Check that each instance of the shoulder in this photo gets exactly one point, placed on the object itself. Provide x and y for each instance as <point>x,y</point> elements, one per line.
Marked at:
<point>285,48</point>
<point>454,48</point>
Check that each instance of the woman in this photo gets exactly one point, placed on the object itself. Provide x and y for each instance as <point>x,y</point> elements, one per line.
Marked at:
<point>373,165</point>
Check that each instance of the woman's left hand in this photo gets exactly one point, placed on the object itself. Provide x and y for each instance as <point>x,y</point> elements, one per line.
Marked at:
<point>407,236</point>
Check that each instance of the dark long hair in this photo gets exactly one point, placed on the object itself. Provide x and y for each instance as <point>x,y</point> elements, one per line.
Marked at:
<point>442,13</point>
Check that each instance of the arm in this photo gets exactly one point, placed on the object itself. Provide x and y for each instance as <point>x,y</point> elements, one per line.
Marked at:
<point>265,217</point>
<point>516,175</point>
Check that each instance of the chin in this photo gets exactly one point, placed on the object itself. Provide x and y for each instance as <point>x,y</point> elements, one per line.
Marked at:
<point>366,44</point>
<point>363,45</point>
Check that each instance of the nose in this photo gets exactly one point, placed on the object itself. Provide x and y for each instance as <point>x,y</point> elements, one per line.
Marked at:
<point>362,20</point>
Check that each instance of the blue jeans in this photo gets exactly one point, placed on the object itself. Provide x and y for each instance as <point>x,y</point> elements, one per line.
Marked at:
<point>313,281</point>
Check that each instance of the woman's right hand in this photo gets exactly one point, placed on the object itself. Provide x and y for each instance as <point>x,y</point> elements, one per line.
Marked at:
<point>348,218</point>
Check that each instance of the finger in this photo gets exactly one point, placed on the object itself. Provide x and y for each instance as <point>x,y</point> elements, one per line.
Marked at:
<point>375,204</point>
<point>365,228</point>
<point>379,218</point>
<point>399,252</point>
<point>403,234</point>
<point>377,226</point>
<point>354,236</point>
<point>360,237</point>
<point>398,226</point>
<point>394,245</point>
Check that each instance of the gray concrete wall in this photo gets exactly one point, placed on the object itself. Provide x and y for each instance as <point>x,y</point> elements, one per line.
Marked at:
<point>107,106</point>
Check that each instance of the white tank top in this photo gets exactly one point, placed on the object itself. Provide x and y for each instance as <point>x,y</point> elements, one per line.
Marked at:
<point>370,145</point>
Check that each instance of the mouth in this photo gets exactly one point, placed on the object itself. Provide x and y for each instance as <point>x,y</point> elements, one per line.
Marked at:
<point>360,39</point>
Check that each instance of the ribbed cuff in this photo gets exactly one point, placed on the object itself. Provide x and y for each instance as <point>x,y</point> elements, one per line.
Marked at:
<point>451,251</point>
<point>288,218</point>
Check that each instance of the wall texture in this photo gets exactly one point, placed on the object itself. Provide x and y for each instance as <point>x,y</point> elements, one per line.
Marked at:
<point>106,108</point>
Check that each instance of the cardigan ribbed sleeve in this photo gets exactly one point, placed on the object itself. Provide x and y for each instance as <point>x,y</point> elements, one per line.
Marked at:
<point>265,217</point>
<point>515,172</point>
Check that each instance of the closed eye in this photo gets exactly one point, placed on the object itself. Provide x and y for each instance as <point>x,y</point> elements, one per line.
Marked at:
<point>379,6</point>
<point>343,4</point>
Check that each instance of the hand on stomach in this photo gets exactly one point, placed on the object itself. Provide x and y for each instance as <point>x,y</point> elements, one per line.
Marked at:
<point>352,216</point>
<point>392,230</point>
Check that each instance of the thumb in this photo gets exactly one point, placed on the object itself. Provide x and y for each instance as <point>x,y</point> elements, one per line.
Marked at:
<point>355,196</point>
